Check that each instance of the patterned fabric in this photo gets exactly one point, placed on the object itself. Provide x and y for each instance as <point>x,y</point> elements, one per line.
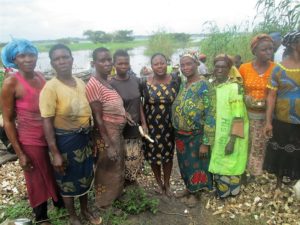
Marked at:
<point>290,38</point>
<point>158,101</point>
<point>286,82</point>
<point>192,118</point>
<point>112,103</point>
<point>283,150</point>
<point>109,174</point>
<point>254,83</point>
<point>229,106</point>
<point>75,148</point>
<point>191,54</point>
<point>133,158</point>
<point>257,147</point>
<point>227,185</point>
<point>68,105</point>
<point>194,171</point>
<point>192,110</point>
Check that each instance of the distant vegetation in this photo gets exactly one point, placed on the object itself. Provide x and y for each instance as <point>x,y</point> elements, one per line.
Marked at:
<point>87,45</point>
<point>99,36</point>
<point>167,43</point>
<point>281,16</point>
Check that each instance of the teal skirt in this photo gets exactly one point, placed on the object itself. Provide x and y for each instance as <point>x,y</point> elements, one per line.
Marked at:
<point>194,171</point>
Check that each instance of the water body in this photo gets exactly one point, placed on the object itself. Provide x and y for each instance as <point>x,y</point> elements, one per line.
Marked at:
<point>83,58</point>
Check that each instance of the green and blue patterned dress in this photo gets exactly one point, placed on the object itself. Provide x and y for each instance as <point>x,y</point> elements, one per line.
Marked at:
<point>193,121</point>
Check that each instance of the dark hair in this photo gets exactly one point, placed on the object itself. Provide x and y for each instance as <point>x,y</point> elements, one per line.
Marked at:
<point>120,53</point>
<point>58,46</point>
<point>99,50</point>
<point>158,54</point>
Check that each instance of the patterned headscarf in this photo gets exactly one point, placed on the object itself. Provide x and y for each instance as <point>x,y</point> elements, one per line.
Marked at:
<point>290,38</point>
<point>224,57</point>
<point>191,54</point>
<point>14,48</point>
<point>234,74</point>
<point>258,39</point>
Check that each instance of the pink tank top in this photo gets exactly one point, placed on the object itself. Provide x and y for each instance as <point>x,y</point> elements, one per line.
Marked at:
<point>29,121</point>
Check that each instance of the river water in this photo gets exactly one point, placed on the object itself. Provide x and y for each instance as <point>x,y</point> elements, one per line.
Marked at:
<point>83,58</point>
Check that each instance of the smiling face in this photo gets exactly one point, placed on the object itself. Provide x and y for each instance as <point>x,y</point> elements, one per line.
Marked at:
<point>159,65</point>
<point>26,62</point>
<point>221,71</point>
<point>188,66</point>
<point>103,63</point>
<point>264,51</point>
<point>122,65</point>
<point>62,62</point>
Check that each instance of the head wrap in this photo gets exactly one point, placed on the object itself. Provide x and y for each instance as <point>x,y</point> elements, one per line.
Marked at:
<point>258,39</point>
<point>234,74</point>
<point>290,38</point>
<point>224,57</point>
<point>14,48</point>
<point>191,54</point>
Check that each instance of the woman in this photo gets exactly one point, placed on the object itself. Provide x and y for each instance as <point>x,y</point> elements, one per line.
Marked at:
<point>23,124</point>
<point>193,123</point>
<point>283,149</point>
<point>66,114</point>
<point>109,121</point>
<point>255,75</point>
<point>128,87</point>
<point>230,148</point>
<point>159,92</point>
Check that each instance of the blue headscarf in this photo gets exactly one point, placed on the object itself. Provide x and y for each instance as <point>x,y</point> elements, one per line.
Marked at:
<point>14,48</point>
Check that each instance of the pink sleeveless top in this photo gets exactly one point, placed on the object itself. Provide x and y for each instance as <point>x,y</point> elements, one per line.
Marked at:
<point>29,121</point>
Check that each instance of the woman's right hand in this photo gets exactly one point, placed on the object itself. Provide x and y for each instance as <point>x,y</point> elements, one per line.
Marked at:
<point>268,130</point>
<point>111,151</point>
<point>58,163</point>
<point>25,162</point>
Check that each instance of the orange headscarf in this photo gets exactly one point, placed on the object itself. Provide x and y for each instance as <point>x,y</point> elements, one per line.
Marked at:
<point>258,39</point>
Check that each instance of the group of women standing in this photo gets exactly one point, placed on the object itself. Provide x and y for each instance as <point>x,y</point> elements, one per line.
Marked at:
<point>207,122</point>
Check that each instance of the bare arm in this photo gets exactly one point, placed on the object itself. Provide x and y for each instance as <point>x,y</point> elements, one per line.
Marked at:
<point>57,162</point>
<point>143,119</point>
<point>8,96</point>
<point>271,99</point>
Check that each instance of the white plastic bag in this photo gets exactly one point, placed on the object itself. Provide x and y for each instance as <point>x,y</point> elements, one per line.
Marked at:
<point>297,189</point>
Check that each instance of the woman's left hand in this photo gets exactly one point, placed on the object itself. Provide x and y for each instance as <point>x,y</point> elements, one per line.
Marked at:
<point>129,119</point>
<point>203,151</point>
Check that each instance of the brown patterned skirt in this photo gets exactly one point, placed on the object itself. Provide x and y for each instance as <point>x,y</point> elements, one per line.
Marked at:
<point>109,174</point>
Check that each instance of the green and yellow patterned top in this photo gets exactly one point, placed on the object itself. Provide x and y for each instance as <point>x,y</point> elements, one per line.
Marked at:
<point>192,110</point>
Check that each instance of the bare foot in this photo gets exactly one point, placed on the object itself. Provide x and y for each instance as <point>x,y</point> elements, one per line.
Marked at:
<point>91,217</point>
<point>159,190</point>
<point>191,201</point>
<point>182,193</point>
<point>74,220</point>
<point>168,191</point>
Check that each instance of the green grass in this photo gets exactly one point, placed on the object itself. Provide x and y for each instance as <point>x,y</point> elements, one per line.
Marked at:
<point>112,46</point>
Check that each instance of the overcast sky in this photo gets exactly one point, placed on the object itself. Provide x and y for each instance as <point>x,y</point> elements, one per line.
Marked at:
<point>53,19</point>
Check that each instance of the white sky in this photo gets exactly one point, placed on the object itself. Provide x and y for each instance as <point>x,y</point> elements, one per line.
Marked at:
<point>53,19</point>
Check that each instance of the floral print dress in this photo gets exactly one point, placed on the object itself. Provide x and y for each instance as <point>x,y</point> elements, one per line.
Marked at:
<point>193,120</point>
